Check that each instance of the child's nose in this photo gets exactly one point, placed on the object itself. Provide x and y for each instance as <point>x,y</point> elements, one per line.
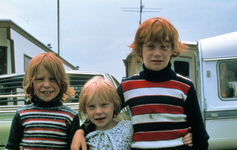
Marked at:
<point>98,110</point>
<point>157,52</point>
<point>46,83</point>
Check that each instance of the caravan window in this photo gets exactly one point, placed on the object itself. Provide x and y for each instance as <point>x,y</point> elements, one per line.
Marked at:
<point>228,79</point>
<point>182,68</point>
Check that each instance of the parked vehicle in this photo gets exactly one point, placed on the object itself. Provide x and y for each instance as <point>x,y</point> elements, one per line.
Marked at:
<point>212,65</point>
<point>12,97</point>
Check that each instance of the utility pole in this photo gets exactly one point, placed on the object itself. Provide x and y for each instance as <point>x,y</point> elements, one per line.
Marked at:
<point>141,7</point>
<point>58,30</point>
<point>140,10</point>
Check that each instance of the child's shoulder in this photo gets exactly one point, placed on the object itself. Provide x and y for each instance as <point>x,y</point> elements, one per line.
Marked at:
<point>67,109</point>
<point>26,107</point>
<point>125,122</point>
<point>133,77</point>
<point>183,79</point>
<point>125,125</point>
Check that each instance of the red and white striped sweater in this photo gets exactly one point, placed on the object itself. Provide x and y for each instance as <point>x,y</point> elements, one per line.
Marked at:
<point>163,106</point>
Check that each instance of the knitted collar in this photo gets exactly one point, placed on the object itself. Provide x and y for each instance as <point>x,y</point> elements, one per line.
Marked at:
<point>53,103</point>
<point>158,76</point>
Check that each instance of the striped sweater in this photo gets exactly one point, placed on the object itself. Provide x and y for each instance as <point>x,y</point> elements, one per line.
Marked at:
<point>163,106</point>
<point>43,126</point>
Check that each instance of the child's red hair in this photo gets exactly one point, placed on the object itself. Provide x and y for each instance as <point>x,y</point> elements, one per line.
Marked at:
<point>160,30</point>
<point>55,67</point>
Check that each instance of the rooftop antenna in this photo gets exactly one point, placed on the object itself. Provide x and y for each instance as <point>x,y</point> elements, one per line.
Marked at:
<point>141,10</point>
<point>58,29</point>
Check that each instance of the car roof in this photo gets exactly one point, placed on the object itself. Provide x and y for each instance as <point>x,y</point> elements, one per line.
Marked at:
<point>68,72</point>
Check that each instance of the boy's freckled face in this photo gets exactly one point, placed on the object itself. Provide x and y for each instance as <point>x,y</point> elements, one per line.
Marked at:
<point>156,56</point>
<point>45,85</point>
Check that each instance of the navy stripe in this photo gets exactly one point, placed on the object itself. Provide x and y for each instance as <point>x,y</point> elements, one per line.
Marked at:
<point>159,126</point>
<point>48,126</point>
<point>155,100</point>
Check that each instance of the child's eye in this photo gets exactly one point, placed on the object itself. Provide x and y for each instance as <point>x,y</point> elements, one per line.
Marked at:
<point>150,46</point>
<point>91,106</point>
<point>164,47</point>
<point>52,79</point>
<point>39,79</point>
<point>104,104</point>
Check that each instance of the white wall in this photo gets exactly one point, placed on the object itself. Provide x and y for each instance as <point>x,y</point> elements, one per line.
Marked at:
<point>23,46</point>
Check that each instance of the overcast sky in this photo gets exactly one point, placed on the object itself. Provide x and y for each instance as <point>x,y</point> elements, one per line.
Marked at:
<point>94,34</point>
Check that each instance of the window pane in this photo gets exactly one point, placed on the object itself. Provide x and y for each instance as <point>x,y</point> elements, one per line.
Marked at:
<point>228,79</point>
<point>2,54</point>
<point>27,60</point>
<point>1,67</point>
<point>182,68</point>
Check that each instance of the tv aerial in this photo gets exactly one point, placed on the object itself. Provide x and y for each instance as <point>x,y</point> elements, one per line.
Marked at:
<point>141,10</point>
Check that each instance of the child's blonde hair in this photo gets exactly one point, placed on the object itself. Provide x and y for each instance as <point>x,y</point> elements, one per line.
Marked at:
<point>55,67</point>
<point>101,89</point>
<point>160,30</point>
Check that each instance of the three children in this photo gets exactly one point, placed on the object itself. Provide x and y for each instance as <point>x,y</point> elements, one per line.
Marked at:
<point>163,104</point>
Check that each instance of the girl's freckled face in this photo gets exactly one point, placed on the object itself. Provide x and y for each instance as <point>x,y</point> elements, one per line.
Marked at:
<point>101,114</point>
<point>45,85</point>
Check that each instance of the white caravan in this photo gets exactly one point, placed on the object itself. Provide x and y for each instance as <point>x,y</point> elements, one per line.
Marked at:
<point>212,65</point>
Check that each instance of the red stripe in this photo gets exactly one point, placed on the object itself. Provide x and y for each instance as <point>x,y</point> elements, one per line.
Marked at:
<point>156,136</point>
<point>128,85</point>
<point>50,120</point>
<point>46,111</point>
<point>44,129</point>
<point>45,139</point>
<point>156,108</point>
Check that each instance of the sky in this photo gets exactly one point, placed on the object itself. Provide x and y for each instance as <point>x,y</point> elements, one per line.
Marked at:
<point>94,34</point>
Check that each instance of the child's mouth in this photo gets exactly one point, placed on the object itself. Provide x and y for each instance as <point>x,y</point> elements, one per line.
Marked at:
<point>47,92</point>
<point>99,119</point>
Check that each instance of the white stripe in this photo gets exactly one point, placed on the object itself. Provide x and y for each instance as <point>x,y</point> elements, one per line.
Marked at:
<point>43,141</point>
<point>47,113</point>
<point>48,122</point>
<point>43,131</point>
<point>158,144</point>
<point>155,91</point>
<point>158,117</point>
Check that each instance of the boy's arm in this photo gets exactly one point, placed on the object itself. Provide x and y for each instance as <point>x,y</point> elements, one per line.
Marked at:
<point>120,93</point>
<point>15,134</point>
<point>78,140</point>
<point>195,121</point>
<point>73,128</point>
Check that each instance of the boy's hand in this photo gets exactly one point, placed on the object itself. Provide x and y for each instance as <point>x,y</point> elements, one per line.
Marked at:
<point>187,139</point>
<point>79,141</point>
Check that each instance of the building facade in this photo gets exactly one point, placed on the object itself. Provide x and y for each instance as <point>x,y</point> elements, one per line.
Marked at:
<point>17,47</point>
